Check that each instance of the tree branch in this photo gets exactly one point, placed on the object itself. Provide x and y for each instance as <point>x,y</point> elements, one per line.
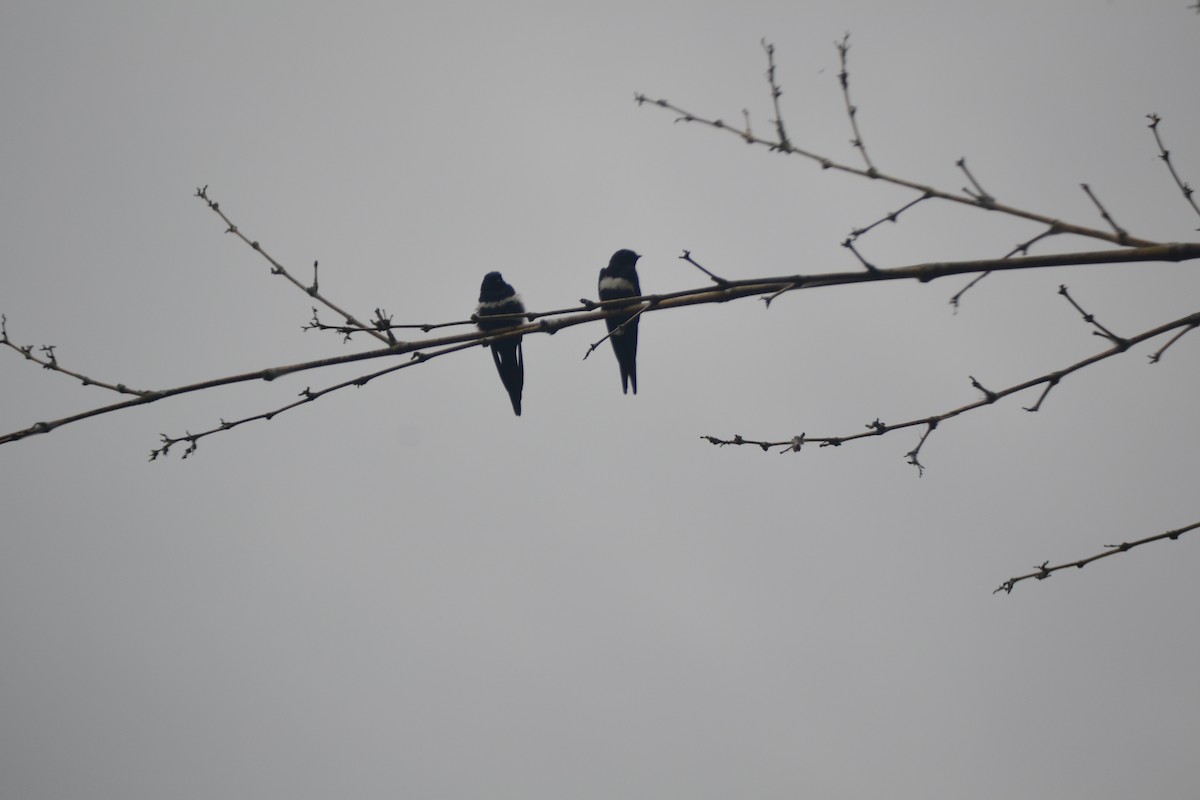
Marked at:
<point>1044,571</point>
<point>878,428</point>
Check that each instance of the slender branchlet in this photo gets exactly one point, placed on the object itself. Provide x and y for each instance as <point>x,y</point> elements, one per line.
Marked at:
<point>620,328</point>
<point>306,396</point>
<point>1156,356</point>
<point>891,216</point>
<point>1122,234</point>
<point>867,265</point>
<point>975,197</point>
<point>784,144</point>
<point>278,268</point>
<point>1020,249</point>
<point>911,455</point>
<point>717,279</point>
<point>1044,570</point>
<point>49,360</point>
<point>1189,194</point>
<point>1090,319</point>
<point>843,48</point>
<point>1047,381</point>
<point>977,194</point>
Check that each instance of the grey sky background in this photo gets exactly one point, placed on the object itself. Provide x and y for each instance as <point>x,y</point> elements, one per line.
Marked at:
<point>405,591</point>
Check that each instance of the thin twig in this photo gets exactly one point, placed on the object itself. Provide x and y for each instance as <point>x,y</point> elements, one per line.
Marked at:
<point>617,330</point>
<point>1189,194</point>
<point>979,195</point>
<point>867,265</point>
<point>1044,571</point>
<point>783,144</point>
<point>1122,234</point>
<point>1157,354</point>
<point>1091,320</point>
<point>1049,380</point>
<point>891,216</point>
<point>1022,249</point>
<point>843,48</point>
<point>307,396</point>
<point>278,268</point>
<point>954,197</point>
<point>50,362</point>
<point>717,279</point>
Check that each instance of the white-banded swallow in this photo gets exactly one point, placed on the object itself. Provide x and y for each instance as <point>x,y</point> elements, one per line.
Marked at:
<point>620,279</point>
<point>498,297</point>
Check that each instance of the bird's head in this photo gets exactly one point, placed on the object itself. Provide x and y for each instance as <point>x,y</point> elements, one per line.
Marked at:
<point>623,260</point>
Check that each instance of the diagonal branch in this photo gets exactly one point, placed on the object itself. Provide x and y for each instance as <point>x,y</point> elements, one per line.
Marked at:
<point>307,396</point>
<point>877,428</point>
<point>50,362</point>
<point>278,269</point>
<point>1044,571</point>
<point>1189,194</point>
<point>843,48</point>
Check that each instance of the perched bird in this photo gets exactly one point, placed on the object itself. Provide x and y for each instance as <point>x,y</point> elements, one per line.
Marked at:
<point>619,279</point>
<point>498,297</point>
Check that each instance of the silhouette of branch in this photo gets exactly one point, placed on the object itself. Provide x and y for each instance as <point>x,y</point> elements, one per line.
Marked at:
<point>1044,571</point>
<point>867,265</point>
<point>50,362</point>
<point>717,279</point>
<point>278,269</point>
<point>1022,248</point>
<point>891,216</point>
<point>1189,194</point>
<point>878,428</point>
<point>978,198</point>
<point>843,48</point>
<point>1102,331</point>
<point>1121,233</point>
<point>307,396</point>
<point>617,330</point>
<point>552,321</point>
<point>1157,354</point>
<point>776,92</point>
<point>981,197</point>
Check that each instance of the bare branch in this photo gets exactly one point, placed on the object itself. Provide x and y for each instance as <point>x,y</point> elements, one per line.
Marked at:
<point>1189,194</point>
<point>717,279</point>
<point>279,269</point>
<point>50,362</point>
<point>1122,234</point>
<point>1044,571</point>
<point>617,330</point>
<point>891,216</point>
<point>1050,380</point>
<point>980,196</point>
<point>1091,320</point>
<point>1157,354</point>
<point>873,173</point>
<point>552,321</point>
<point>843,48</point>
<point>307,396</point>
<point>1022,248</point>
<point>783,144</point>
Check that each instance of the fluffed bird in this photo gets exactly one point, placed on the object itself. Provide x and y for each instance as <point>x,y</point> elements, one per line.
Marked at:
<point>620,279</point>
<point>498,297</point>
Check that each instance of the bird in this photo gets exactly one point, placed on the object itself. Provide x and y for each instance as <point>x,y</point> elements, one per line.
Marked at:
<point>498,297</point>
<point>620,279</point>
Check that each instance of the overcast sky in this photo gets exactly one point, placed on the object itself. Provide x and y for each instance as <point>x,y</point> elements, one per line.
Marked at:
<point>406,591</point>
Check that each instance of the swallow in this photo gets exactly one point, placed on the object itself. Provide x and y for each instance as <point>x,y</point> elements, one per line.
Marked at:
<point>498,297</point>
<point>620,279</point>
